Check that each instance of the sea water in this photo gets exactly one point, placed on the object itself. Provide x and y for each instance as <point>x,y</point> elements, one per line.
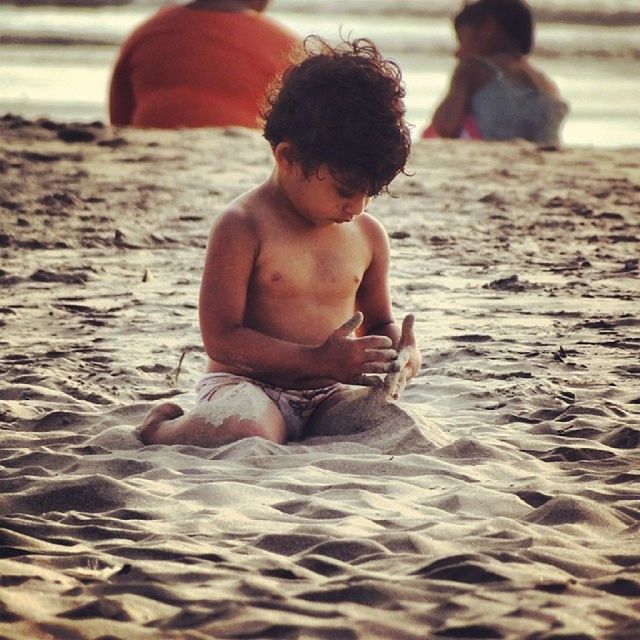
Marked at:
<point>55,61</point>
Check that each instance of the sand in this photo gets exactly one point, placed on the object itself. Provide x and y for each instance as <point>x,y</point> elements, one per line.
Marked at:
<point>500,498</point>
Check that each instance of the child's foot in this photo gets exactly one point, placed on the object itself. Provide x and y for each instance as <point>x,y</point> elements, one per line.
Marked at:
<point>156,418</point>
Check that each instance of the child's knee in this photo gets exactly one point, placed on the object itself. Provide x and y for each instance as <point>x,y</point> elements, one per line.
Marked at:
<point>242,410</point>
<point>271,428</point>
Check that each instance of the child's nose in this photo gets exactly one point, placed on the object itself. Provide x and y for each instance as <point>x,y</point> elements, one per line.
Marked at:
<point>355,205</point>
<point>462,51</point>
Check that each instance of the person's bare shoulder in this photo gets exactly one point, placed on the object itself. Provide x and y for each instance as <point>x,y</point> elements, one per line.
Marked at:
<point>374,232</point>
<point>244,210</point>
<point>235,226</point>
<point>371,225</point>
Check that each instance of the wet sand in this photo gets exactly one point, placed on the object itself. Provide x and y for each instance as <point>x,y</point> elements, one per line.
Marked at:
<point>499,499</point>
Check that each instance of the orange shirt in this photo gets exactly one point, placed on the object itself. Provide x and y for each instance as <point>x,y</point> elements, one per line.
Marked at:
<point>193,68</point>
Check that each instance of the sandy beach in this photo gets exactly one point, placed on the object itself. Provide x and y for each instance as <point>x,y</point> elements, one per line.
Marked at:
<point>499,499</point>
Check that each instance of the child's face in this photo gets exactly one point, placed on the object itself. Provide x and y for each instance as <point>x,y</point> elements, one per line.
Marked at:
<point>469,42</point>
<point>321,198</point>
<point>479,40</point>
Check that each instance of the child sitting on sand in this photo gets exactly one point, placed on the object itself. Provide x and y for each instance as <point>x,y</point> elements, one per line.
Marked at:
<point>294,301</point>
<point>495,92</point>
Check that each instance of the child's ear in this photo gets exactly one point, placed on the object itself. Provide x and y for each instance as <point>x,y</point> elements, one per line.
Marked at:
<point>285,156</point>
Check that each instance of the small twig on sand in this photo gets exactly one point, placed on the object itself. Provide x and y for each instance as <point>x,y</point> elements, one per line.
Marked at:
<point>173,376</point>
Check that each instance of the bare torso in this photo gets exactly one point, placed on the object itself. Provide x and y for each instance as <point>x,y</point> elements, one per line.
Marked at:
<point>304,278</point>
<point>304,284</point>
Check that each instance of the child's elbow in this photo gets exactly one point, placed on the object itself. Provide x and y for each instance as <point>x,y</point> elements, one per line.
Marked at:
<point>219,348</point>
<point>216,352</point>
<point>447,129</point>
<point>450,133</point>
<point>212,346</point>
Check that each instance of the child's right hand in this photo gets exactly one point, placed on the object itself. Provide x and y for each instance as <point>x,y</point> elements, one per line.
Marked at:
<point>343,357</point>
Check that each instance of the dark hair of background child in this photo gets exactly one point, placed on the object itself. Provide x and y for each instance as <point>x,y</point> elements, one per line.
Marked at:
<point>513,16</point>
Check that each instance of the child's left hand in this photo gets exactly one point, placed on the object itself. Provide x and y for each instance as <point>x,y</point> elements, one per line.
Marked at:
<point>409,360</point>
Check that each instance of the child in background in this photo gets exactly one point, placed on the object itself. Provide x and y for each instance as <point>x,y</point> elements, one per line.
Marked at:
<point>294,301</point>
<point>495,92</point>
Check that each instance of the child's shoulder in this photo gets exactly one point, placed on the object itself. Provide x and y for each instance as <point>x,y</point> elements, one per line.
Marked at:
<point>370,223</point>
<point>242,209</point>
<point>373,229</point>
<point>236,219</point>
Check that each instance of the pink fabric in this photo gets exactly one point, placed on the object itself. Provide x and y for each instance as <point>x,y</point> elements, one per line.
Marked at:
<point>469,131</point>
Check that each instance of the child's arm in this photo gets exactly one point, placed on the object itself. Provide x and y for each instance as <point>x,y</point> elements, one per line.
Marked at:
<point>374,301</point>
<point>449,117</point>
<point>229,264</point>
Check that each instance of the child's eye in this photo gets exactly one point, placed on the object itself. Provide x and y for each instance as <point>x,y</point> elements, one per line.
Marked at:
<point>343,193</point>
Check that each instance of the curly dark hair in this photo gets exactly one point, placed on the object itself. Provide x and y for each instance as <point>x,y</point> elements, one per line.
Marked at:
<point>343,106</point>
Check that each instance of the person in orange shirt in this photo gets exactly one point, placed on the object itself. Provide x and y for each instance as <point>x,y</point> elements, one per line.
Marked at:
<point>206,64</point>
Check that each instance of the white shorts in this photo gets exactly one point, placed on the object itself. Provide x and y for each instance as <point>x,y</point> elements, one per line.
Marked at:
<point>222,395</point>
